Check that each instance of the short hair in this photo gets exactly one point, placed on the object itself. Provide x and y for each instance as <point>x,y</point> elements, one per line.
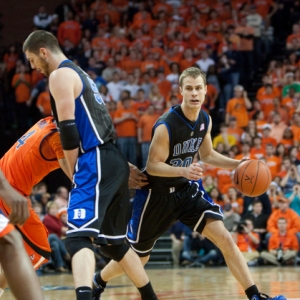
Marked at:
<point>41,39</point>
<point>192,72</point>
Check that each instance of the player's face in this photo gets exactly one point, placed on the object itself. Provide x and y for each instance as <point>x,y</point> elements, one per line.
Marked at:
<point>38,62</point>
<point>193,92</point>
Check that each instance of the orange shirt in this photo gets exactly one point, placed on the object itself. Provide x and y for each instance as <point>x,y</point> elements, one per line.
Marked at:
<point>244,242</point>
<point>257,153</point>
<point>262,91</point>
<point>22,87</point>
<point>69,30</point>
<point>128,127</point>
<point>274,164</point>
<point>224,177</point>
<point>130,65</point>
<point>268,140</point>
<point>146,122</point>
<point>236,107</point>
<point>10,60</point>
<point>44,101</point>
<point>290,215</point>
<point>28,155</point>
<point>289,241</point>
<point>267,103</point>
<point>263,6</point>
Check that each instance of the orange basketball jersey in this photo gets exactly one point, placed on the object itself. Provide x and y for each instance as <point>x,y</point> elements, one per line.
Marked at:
<point>33,156</point>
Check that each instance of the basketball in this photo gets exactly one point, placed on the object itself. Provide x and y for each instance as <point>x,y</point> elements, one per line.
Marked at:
<point>252,177</point>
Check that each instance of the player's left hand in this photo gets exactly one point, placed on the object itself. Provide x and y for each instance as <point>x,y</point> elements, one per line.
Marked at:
<point>137,179</point>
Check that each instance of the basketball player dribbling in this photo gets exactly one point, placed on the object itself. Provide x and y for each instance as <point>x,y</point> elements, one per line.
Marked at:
<point>20,275</point>
<point>175,189</point>
<point>99,202</point>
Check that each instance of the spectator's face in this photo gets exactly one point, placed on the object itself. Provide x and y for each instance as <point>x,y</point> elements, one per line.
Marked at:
<point>269,150</point>
<point>282,225</point>
<point>257,208</point>
<point>249,224</point>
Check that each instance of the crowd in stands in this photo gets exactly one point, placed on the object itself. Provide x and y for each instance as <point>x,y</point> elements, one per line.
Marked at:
<point>135,51</point>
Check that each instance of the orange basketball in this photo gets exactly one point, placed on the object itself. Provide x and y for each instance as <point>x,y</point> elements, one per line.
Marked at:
<point>252,177</point>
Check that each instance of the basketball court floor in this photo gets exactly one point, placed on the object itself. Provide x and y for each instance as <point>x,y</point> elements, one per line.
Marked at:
<point>213,283</point>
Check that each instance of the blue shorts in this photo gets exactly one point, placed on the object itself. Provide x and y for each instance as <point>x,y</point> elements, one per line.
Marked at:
<point>99,201</point>
<point>155,211</point>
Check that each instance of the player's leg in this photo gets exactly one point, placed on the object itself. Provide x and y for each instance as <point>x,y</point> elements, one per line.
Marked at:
<point>18,270</point>
<point>220,236</point>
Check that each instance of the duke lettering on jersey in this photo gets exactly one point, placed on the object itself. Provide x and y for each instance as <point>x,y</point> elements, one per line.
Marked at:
<point>185,140</point>
<point>79,213</point>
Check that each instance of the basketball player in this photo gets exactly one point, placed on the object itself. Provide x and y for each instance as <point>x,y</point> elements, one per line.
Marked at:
<point>21,277</point>
<point>27,162</point>
<point>175,189</point>
<point>99,201</point>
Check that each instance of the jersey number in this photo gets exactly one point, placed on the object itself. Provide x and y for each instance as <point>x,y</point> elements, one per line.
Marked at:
<point>94,88</point>
<point>22,140</point>
<point>177,162</point>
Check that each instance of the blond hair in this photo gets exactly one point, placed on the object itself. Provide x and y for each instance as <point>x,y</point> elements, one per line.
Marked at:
<point>192,72</point>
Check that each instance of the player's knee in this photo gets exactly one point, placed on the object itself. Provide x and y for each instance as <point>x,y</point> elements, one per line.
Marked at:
<point>75,244</point>
<point>115,252</point>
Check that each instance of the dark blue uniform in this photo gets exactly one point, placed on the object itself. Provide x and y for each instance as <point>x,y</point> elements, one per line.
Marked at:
<point>168,199</point>
<point>99,201</point>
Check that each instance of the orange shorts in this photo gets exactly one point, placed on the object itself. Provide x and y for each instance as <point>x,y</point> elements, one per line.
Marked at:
<point>35,237</point>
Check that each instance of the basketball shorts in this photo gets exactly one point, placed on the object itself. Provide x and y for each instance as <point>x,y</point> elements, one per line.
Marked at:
<point>155,211</point>
<point>35,237</point>
<point>99,201</point>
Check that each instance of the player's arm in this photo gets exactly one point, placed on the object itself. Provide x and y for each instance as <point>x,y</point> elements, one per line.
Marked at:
<point>158,154</point>
<point>65,93</point>
<point>211,157</point>
<point>16,202</point>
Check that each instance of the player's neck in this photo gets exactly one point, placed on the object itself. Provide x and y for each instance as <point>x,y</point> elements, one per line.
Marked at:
<point>56,61</point>
<point>190,113</point>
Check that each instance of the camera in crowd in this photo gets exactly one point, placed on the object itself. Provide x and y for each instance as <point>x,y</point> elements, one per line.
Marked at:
<point>240,226</point>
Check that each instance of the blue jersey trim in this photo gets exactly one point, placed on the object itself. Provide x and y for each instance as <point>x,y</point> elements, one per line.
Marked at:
<point>192,128</point>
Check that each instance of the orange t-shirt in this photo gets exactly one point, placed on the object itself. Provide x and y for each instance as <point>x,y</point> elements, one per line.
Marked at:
<point>224,177</point>
<point>128,127</point>
<point>257,153</point>
<point>274,163</point>
<point>69,30</point>
<point>28,155</point>
<point>22,88</point>
<point>146,122</point>
<point>236,107</point>
<point>44,101</point>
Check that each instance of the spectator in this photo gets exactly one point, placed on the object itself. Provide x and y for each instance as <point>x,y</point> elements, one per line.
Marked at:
<point>233,198</point>
<point>293,220</point>
<point>115,87</point>
<point>61,197</point>
<point>259,220</point>
<point>131,86</point>
<point>231,218</point>
<point>294,198</point>
<point>56,229</point>
<point>277,127</point>
<point>225,138</point>
<point>216,196</point>
<point>177,232</point>
<point>247,241</point>
<point>125,121</point>
<point>144,131</point>
<point>157,99</point>
<point>289,83</point>
<point>43,103</point>
<point>257,151</point>
<point>274,192</point>
<point>107,73</point>
<point>282,245</point>
<point>42,20</point>
<point>237,107</point>
<point>245,151</point>
<point>69,29</point>
<point>273,162</point>
<point>103,90</point>
<point>204,62</point>
<point>290,179</point>
<point>266,136</point>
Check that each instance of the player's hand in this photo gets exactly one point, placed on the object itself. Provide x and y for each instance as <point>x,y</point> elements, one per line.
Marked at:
<point>18,205</point>
<point>137,179</point>
<point>242,160</point>
<point>193,172</point>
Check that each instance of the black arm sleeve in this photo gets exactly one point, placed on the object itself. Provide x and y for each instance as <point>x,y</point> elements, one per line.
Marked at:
<point>69,135</point>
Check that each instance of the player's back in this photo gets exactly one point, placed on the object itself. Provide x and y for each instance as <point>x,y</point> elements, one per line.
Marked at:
<point>33,156</point>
